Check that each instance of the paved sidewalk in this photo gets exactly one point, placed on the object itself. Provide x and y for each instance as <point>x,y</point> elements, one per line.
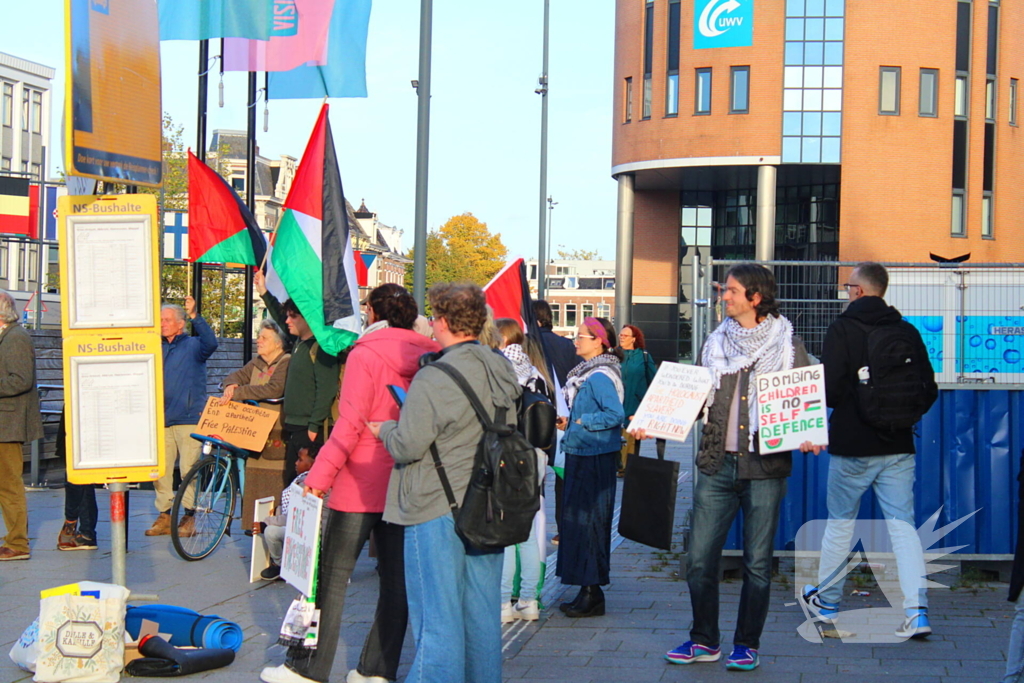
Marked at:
<point>648,613</point>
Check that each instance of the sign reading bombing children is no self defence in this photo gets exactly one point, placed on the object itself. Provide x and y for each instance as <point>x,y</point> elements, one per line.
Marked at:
<point>791,409</point>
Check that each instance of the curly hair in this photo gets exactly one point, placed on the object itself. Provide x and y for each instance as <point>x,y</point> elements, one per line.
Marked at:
<point>638,336</point>
<point>462,305</point>
<point>393,303</point>
<point>757,279</point>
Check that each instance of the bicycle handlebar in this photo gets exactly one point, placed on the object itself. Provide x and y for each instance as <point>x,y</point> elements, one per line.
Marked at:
<point>220,443</point>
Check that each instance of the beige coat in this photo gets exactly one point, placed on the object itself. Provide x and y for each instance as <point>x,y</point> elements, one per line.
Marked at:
<point>20,421</point>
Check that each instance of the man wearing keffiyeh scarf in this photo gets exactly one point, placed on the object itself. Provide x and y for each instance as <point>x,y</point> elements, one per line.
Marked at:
<point>752,341</point>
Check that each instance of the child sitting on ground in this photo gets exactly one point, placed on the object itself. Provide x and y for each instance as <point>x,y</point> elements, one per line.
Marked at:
<point>273,527</point>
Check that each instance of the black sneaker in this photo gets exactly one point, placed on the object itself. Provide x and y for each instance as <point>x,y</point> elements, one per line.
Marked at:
<point>271,573</point>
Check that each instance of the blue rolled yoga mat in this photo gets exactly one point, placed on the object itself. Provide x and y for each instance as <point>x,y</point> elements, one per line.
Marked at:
<point>187,628</point>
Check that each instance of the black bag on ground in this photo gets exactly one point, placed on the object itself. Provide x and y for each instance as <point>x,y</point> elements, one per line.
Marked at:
<point>504,492</point>
<point>901,387</point>
<point>161,659</point>
<point>649,500</point>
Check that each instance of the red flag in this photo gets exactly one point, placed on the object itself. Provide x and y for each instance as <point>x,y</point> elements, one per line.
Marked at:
<point>221,228</point>
<point>362,272</point>
<point>508,293</point>
<point>33,211</point>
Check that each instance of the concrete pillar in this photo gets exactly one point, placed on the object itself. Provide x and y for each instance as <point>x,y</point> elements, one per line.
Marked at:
<point>764,249</point>
<point>624,252</point>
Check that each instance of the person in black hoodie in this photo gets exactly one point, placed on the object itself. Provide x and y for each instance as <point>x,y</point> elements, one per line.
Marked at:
<point>866,456</point>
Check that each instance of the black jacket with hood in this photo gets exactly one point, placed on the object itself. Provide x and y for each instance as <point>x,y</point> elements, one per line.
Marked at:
<point>845,352</point>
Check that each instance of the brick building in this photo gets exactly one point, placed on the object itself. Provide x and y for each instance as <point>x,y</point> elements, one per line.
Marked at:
<point>810,130</point>
<point>576,290</point>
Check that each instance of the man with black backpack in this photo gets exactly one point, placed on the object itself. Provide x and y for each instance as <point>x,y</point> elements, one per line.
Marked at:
<point>879,382</point>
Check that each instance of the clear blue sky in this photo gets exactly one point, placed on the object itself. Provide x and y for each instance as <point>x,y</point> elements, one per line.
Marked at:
<point>485,117</point>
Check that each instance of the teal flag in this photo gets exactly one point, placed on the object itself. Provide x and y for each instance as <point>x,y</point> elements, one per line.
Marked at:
<point>210,19</point>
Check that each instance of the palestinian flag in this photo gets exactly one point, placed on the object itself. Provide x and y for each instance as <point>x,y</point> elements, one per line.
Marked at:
<point>508,294</point>
<point>312,256</point>
<point>221,228</point>
<point>14,205</point>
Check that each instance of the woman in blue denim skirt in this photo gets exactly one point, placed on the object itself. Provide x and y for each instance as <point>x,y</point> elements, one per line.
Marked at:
<point>591,445</point>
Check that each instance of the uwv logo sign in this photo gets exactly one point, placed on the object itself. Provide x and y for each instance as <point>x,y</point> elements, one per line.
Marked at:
<point>723,23</point>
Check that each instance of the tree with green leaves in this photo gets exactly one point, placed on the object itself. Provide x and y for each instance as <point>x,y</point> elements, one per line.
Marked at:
<point>463,249</point>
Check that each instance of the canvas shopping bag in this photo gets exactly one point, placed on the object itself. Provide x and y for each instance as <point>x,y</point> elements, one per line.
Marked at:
<point>649,500</point>
<point>81,639</point>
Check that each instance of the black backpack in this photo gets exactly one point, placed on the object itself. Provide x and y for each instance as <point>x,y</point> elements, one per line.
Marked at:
<point>504,491</point>
<point>537,417</point>
<point>901,387</point>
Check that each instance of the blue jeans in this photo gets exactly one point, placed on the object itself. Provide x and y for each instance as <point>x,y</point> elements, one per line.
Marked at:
<point>892,477</point>
<point>454,597</point>
<point>80,506</point>
<point>1015,650</point>
<point>716,500</point>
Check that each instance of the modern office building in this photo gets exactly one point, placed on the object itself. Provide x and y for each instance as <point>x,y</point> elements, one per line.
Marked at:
<point>811,130</point>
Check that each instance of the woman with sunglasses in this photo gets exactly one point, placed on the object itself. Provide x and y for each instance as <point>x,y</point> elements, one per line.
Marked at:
<point>593,391</point>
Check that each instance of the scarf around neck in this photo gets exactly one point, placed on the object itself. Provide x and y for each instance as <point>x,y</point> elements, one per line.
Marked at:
<point>732,348</point>
<point>526,374</point>
<point>606,364</point>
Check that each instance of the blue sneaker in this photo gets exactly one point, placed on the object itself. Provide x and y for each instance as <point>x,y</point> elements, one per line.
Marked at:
<point>743,658</point>
<point>822,611</point>
<point>690,652</point>
<point>916,624</point>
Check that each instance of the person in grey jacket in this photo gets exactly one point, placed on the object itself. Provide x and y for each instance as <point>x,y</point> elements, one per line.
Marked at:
<point>454,591</point>
<point>20,422</point>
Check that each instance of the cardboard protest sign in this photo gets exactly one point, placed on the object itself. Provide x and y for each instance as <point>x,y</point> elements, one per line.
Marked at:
<point>240,424</point>
<point>673,401</point>
<point>791,409</point>
<point>302,541</point>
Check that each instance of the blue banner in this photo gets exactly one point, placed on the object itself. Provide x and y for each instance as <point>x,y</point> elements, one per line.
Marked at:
<point>723,23</point>
<point>209,19</point>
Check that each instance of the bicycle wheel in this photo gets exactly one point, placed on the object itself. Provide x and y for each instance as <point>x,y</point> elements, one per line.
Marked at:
<point>212,487</point>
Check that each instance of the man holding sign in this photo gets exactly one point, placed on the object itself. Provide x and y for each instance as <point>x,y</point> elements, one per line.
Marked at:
<point>753,341</point>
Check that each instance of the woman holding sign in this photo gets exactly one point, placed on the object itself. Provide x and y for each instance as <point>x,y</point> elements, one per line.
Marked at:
<point>591,445</point>
<point>260,379</point>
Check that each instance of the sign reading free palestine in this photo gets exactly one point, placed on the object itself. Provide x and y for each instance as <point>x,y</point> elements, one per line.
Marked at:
<point>791,409</point>
<point>723,23</point>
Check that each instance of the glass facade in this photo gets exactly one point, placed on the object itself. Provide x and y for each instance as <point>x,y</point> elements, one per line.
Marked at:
<point>813,81</point>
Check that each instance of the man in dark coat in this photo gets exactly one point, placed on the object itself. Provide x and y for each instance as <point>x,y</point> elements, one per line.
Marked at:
<point>866,456</point>
<point>20,422</point>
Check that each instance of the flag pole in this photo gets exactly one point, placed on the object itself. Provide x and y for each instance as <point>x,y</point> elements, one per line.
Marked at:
<point>419,266</point>
<point>204,70</point>
<point>250,200</point>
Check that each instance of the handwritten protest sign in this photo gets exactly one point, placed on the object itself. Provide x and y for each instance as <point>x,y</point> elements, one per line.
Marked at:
<point>673,401</point>
<point>239,424</point>
<point>791,409</point>
<point>302,541</point>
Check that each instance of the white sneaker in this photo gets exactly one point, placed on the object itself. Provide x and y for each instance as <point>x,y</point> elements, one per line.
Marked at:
<point>527,610</point>
<point>507,616</point>
<point>356,677</point>
<point>282,674</point>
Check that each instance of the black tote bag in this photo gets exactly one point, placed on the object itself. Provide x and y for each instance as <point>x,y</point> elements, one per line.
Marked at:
<point>649,499</point>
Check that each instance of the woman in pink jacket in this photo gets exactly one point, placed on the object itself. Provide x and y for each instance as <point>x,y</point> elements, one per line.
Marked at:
<point>354,468</point>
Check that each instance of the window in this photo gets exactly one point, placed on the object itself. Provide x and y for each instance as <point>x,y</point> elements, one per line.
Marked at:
<point>986,215</point>
<point>928,97</point>
<point>629,100</point>
<point>24,108</point>
<point>960,97</point>
<point>648,56</point>
<point>672,79</point>
<point>556,315</point>
<point>5,164</point>
<point>3,260</point>
<point>37,111</point>
<point>739,90</point>
<point>238,183</point>
<point>564,270</point>
<point>604,311</point>
<point>8,105</point>
<point>889,90</point>
<point>990,99</point>
<point>587,310</point>
<point>957,229</point>
<point>702,92</point>
<point>1013,101</point>
<point>570,316</point>
<point>37,171</point>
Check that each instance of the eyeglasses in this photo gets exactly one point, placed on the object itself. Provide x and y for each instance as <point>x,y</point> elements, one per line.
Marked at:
<point>850,285</point>
<point>584,336</point>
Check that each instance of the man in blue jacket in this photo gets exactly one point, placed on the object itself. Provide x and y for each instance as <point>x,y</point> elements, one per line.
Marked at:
<point>185,359</point>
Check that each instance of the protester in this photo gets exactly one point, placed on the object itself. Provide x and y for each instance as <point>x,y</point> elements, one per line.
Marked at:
<point>753,340</point>
<point>453,590</point>
<point>311,385</point>
<point>80,509</point>
<point>355,467</point>
<point>864,455</point>
<point>561,357</point>
<point>638,372</point>
<point>273,527</point>
<point>526,556</point>
<point>261,379</point>
<point>593,391</point>
<point>21,423</point>
<point>185,359</point>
